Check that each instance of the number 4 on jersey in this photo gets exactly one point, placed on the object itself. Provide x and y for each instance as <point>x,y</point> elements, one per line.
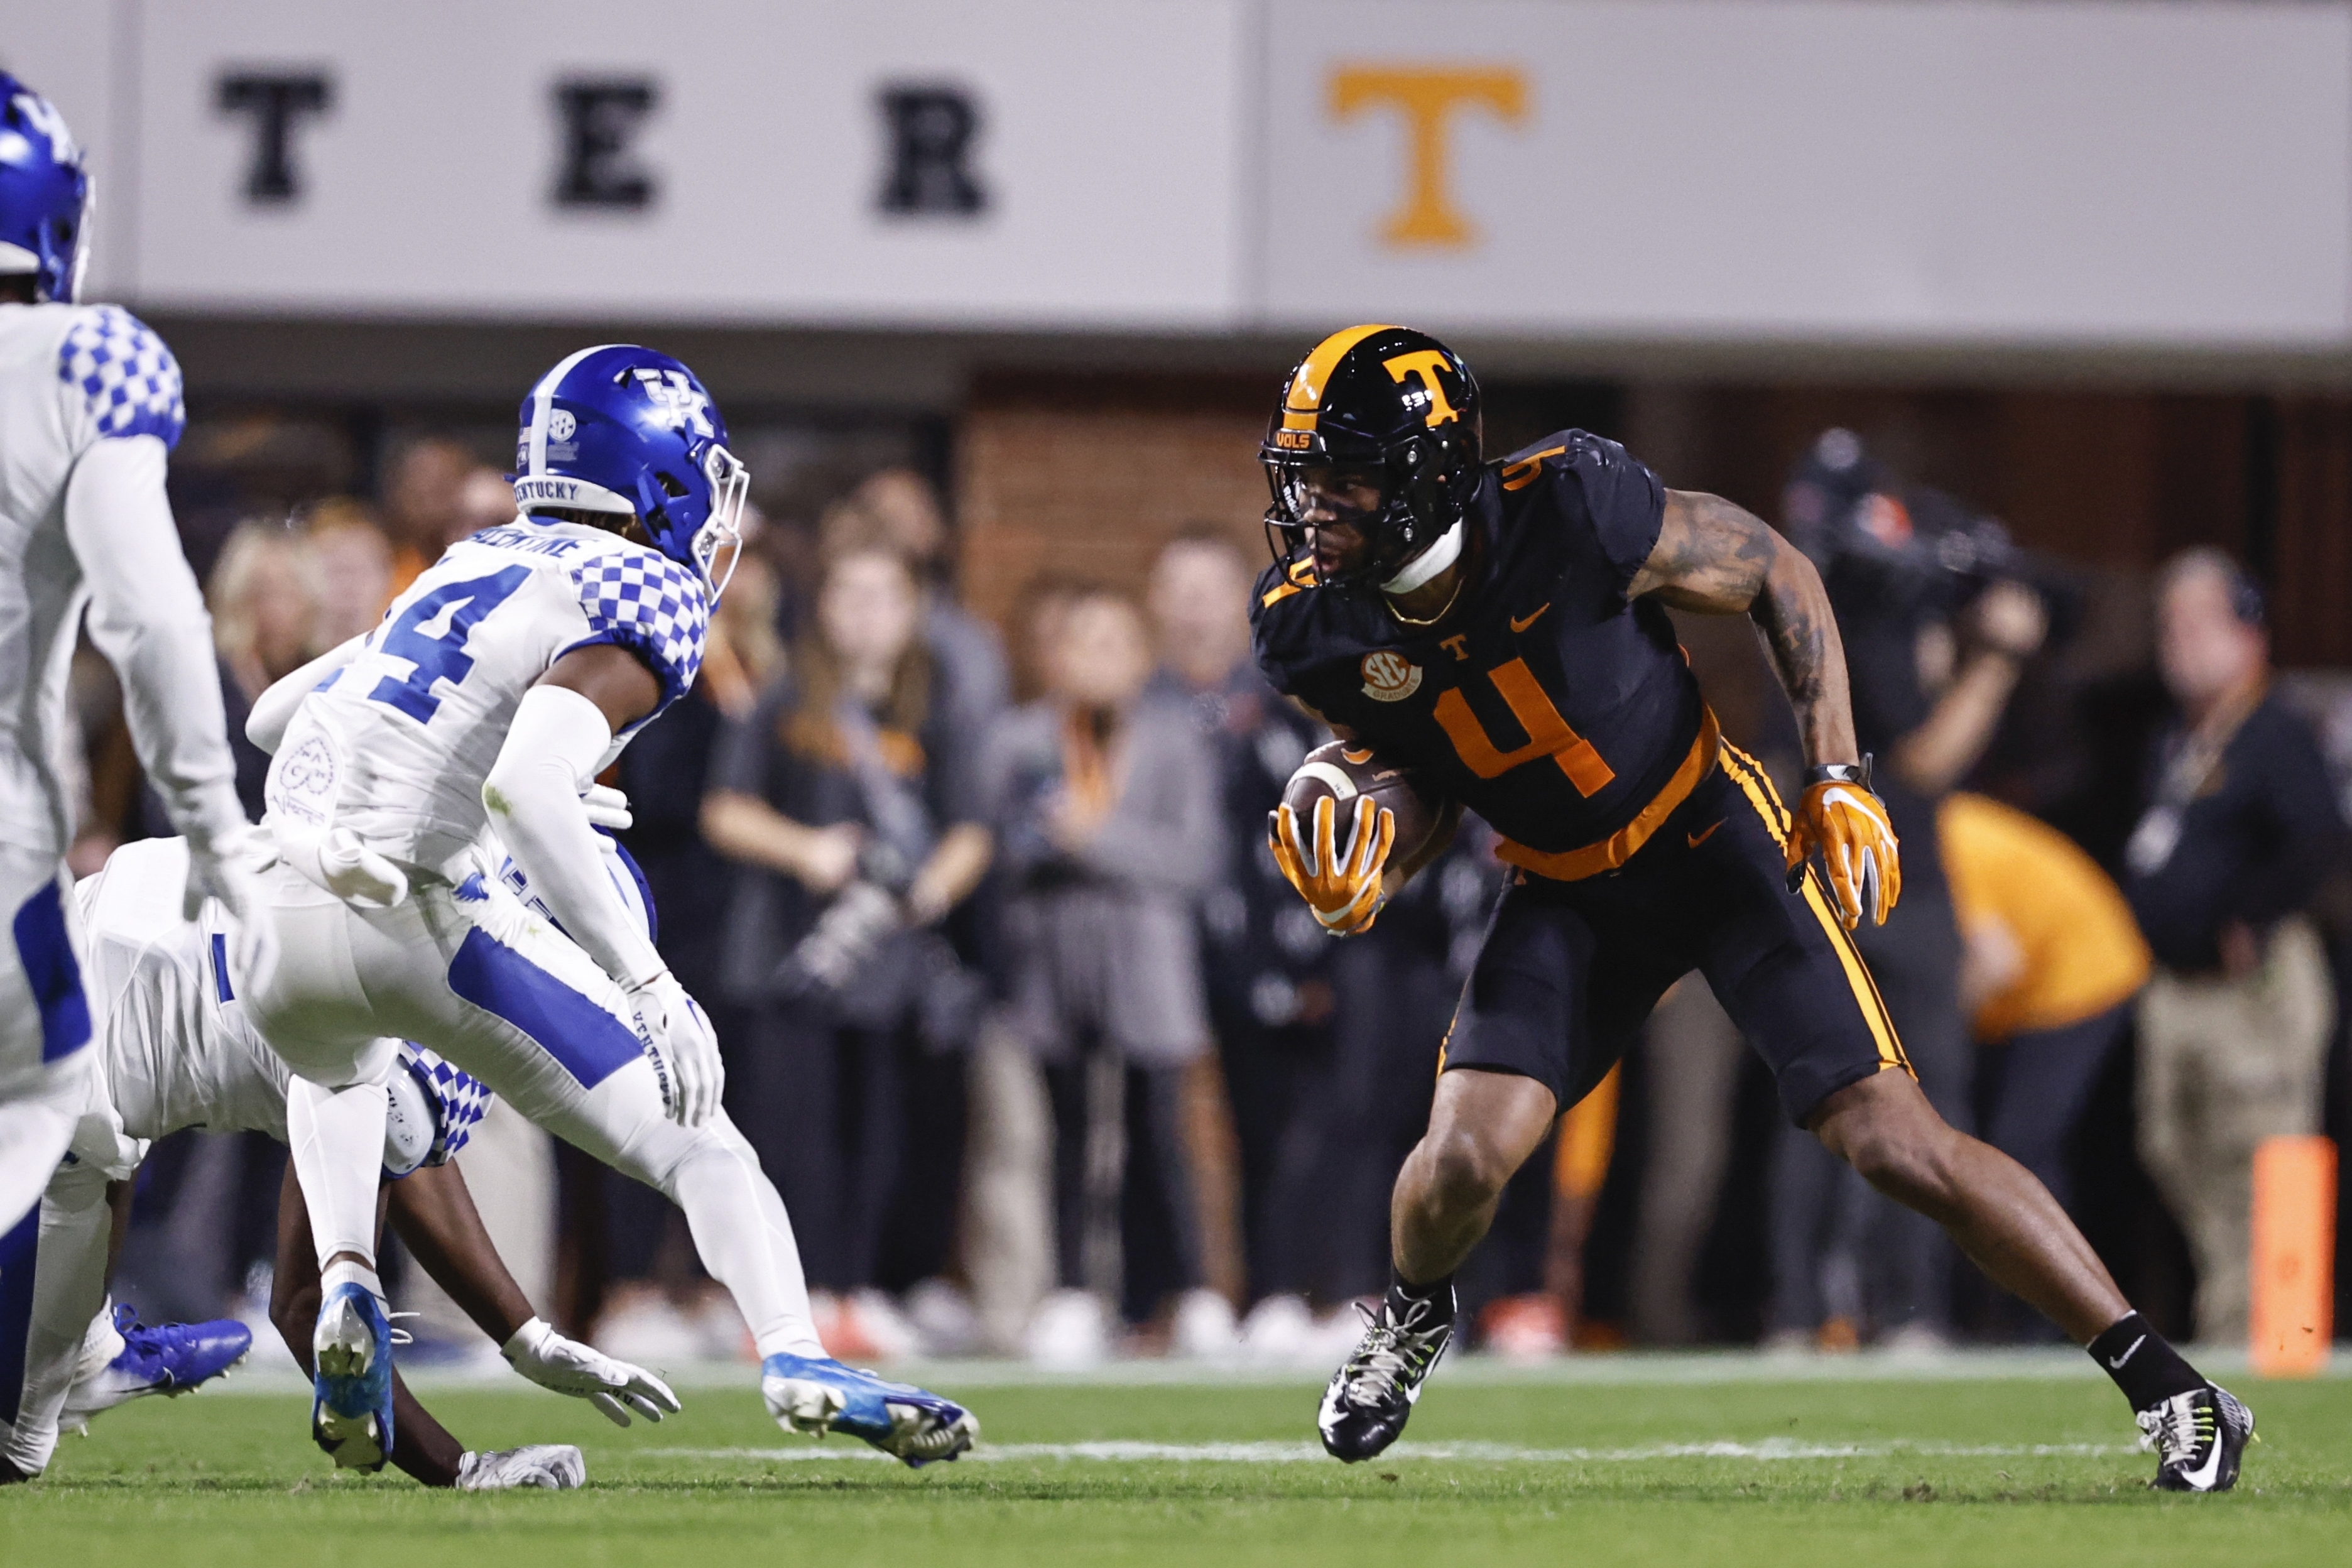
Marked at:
<point>440,654</point>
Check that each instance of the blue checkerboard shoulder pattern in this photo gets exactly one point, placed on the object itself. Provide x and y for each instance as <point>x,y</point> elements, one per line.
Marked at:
<point>128,380</point>
<point>463,1098</point>
<point>644,601</point>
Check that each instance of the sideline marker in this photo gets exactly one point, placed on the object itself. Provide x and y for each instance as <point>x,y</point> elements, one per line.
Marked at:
<point>2291,1321</point>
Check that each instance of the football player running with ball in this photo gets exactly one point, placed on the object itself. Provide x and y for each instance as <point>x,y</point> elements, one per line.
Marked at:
<point>1501,629</point>
<point>506,677</point>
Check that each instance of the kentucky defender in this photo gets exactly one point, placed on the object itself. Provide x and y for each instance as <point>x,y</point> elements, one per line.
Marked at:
<point>506,677</point>
<point>89,409</point>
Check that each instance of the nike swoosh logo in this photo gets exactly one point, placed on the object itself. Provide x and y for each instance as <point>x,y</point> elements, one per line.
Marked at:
<point>2116,1363</point>
<point>2203,1477</point>
<point>1520,625</point>
<point>1699,838</point>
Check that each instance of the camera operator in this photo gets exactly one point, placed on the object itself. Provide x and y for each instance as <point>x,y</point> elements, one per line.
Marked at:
<point>1937,625</point>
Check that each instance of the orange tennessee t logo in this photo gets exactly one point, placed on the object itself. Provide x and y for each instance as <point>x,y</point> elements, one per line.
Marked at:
<point>1424,364</point>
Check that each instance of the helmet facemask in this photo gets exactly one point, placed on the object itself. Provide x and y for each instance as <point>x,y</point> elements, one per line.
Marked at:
<point>718,544</point>
<point>1421,485</point>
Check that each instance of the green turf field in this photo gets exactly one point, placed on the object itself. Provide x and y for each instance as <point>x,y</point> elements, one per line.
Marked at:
<point>1679,1467</point>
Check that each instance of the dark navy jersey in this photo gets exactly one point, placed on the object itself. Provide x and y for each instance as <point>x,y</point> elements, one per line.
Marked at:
<point>1544,701</point>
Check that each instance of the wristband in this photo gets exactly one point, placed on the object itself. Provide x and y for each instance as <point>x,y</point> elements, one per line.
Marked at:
<point>1840,772</point>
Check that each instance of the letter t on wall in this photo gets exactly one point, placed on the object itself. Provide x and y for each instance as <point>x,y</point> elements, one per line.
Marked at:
<point>274,100</point>
<point>1427,98</point>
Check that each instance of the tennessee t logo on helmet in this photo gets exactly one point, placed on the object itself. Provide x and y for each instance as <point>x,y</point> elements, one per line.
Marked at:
<point>1397,415</point>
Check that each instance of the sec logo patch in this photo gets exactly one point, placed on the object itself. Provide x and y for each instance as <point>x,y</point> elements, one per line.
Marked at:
<point>1389,677</point>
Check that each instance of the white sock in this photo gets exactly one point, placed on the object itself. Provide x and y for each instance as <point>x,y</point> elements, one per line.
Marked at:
<point>100,1343</point>
<point>745,1240</point>
<point>69,1308</point>
<point>336,1138</point>
<point>343,1271</point>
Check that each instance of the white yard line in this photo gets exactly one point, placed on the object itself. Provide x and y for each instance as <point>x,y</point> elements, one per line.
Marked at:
<point>1771,1451</point>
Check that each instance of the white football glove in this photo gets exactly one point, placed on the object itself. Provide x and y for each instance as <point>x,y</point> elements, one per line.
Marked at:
<point>567,1366</point>
<point>608,808</point>
<point>682,1037</point>
<point>224,870</point>
<point>554,1466</point>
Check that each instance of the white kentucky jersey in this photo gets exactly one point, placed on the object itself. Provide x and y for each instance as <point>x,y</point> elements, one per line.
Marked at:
<point>70,376</point>
<point>394,747</point>
<point>174,1047</point>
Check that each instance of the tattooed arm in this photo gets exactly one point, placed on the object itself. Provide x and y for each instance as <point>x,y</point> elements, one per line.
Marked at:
<point>1716,558</point>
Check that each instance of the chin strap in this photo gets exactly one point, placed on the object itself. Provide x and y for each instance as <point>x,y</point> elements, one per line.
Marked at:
<point>1442,554</point>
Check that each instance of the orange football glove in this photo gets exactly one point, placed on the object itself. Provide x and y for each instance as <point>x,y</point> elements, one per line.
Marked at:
<point>1848,825</point>
<point>1342,887</point>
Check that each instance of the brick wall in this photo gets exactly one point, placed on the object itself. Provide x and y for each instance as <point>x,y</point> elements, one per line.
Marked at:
<point>1085,477</point>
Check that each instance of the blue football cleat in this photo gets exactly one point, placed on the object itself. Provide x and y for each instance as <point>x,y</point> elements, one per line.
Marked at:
<point>818,1394</point>
<point>351,1354</point>
<point>162,1358</point>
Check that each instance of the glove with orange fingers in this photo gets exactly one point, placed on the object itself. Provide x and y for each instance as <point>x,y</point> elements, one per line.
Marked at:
<point>1838,816</point>
<point>1342,886</point>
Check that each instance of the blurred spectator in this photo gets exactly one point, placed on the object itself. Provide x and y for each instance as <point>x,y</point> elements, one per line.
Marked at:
<point>352,564</point>
<point>265,607</point>
<point>2240,829</point>
<point>425,505</point>
<point>897,509</point>
<point>1266,960</point>
<point>2051,963</point>
<point>485,500</point>
<point>848,795</point>
<point>1931,661</point>
<point>1104,807</point>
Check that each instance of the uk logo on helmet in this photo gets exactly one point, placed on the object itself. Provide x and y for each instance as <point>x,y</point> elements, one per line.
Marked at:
<point>682,405</point>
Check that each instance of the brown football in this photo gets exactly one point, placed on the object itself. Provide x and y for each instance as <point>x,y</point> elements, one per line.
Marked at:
<point>1344,772</point>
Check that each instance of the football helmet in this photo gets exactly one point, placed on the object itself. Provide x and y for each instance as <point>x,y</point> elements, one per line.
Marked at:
<point>1388,418</point>
<point>43,195</point>
<point>632,433</point>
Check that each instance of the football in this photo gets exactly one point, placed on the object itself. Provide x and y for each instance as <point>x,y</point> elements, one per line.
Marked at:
<point>1343,772</point>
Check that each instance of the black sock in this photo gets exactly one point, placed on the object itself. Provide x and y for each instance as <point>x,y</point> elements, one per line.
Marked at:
<point>1403,1293</point>
<point>2143,1366</point>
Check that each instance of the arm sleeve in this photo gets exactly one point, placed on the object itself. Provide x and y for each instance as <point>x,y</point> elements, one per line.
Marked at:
<point>148,617</point>
<point>265,726</point>
<point>1624,498</point>
<point>532,794</point>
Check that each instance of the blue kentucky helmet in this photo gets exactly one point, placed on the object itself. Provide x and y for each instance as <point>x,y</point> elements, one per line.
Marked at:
<point>44,194</point>
<point>626,431</point>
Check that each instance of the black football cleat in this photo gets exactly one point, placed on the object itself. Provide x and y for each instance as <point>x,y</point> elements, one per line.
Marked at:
<point>2198,1437</point>
<point>1374,1392</point>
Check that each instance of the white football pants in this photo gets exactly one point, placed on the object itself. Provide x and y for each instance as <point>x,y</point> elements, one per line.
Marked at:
<point>470,973</point>
<point>44,1028</point>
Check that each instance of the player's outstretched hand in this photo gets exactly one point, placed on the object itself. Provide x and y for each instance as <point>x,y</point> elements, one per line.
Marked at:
<point>1342,886</point>
<point>1849,825</point>
<point>584,1372</point>
<point>689,1050</point>
<point>225,870</point>
<point>549,1466</point>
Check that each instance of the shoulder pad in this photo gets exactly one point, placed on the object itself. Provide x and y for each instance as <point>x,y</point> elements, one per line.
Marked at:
<point>1558,453</point>
<point>128,381</point>
<point>642,600</point>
